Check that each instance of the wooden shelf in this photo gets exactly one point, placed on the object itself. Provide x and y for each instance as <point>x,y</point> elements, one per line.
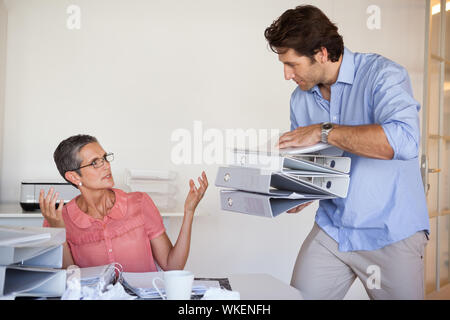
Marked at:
<point>435,214</point>
<point>437,137</point>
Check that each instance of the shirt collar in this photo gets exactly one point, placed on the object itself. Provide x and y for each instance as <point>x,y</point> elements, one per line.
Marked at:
<point>346,70</point>
<point>83,220</point>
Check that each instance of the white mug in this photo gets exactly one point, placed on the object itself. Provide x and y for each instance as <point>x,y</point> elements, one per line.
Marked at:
<point>177,284</point>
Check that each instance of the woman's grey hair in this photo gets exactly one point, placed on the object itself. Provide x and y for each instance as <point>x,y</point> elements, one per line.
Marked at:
<point>66,154</point>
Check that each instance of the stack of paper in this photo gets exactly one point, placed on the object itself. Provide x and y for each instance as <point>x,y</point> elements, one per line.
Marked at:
<point>141,283</point>
<point>93,276</point>
<point>159,185</point>
<point>267,184</point>
<point>31,261</point>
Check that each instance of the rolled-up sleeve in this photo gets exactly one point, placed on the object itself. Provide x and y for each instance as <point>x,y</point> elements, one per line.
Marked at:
<point>396,111</point>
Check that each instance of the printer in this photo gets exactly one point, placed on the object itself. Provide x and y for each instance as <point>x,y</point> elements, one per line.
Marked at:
<point>29,192</point>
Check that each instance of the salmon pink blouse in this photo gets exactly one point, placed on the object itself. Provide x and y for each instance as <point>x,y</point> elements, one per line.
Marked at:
<point>122,236</point>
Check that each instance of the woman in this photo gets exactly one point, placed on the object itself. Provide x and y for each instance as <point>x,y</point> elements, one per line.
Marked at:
<point>105,225</point>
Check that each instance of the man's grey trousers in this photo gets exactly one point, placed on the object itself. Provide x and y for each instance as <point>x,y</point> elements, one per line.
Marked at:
<point>392,272</point>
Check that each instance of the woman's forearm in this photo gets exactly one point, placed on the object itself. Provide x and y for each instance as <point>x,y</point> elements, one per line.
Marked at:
<point>179,253</point>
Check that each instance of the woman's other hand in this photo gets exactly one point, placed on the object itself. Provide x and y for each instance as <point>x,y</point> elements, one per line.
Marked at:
<point>48,208</point>
<point>195,194</point>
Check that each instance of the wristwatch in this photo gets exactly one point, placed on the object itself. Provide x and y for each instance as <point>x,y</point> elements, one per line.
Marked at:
<point>326,128</point>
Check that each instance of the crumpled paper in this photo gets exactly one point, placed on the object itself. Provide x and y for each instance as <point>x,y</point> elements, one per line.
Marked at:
<point>75,291</point>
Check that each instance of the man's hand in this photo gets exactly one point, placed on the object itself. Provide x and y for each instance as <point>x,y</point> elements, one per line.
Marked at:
<point>195,194</point>
<point>299,208</point>
<point>48,208</point>
<point>301,137</point>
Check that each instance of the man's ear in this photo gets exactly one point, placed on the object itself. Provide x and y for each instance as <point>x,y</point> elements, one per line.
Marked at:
<point>322,55</point>
<point>73,177</point>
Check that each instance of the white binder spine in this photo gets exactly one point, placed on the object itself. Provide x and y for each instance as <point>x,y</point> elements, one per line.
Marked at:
<point>256,180</point>
<point>257,204</point>
<point>244,178</point>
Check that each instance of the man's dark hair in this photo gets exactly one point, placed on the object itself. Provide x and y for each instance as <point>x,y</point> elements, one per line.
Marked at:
<point>66,154</point>
<point>306,29</point>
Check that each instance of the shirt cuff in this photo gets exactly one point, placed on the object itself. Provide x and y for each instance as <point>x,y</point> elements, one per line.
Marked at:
<point>403,144</point>
<point>388,127</point>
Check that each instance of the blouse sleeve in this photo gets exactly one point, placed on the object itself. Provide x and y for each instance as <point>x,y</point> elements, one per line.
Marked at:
<point>152,218</point>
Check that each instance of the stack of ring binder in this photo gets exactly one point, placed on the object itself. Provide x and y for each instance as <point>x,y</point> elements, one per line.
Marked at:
<point>31,262</point>
<point>267,184</point>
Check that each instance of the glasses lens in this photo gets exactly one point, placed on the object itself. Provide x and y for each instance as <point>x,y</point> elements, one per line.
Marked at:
<point>109,157</point>
<point>98,163</point>
<point>101,161</point>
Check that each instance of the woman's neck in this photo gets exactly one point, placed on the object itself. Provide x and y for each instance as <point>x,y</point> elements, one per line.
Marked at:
<point>96,203</point>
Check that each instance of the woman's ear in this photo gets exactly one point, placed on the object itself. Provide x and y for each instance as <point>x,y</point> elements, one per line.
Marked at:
<point>73,177</point>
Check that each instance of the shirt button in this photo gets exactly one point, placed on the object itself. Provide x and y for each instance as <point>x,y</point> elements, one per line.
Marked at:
<point>110,250</point>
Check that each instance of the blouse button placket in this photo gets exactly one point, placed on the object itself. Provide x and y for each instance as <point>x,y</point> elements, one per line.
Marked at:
<point>108,243</point>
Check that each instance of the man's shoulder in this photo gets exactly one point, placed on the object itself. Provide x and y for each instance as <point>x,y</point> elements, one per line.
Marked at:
<point>374,64</point>
<point>298,92</point>
<point>299,96</point>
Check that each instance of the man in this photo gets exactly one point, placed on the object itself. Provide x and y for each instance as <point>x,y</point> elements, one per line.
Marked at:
<point>362,104</point>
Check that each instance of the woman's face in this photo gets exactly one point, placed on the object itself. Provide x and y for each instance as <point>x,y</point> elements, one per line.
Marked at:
<point>95,178</point>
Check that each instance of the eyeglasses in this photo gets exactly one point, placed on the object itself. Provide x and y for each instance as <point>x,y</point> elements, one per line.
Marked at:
<point>99,162</point>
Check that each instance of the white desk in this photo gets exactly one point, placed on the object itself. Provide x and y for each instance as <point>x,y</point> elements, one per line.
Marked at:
<point>13,214</point>
<point>260,286</point>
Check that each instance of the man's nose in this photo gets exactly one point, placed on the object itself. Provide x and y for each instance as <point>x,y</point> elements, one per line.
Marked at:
<point>288,73</point>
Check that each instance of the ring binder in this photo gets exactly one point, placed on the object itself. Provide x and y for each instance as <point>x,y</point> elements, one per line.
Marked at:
<point>32,268</point>
<point>257,180</point>
<point>267,184</point>
<point>263,205</point>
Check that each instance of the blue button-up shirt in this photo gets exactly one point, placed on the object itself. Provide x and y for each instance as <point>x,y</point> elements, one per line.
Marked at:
<point>385,201</point>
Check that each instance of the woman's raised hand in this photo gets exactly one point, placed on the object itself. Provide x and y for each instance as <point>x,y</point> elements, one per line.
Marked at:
<point>48,208</point>
<point>195,194</point>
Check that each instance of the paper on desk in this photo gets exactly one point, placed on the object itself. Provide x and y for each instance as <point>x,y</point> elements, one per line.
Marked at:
<point>141,283</point>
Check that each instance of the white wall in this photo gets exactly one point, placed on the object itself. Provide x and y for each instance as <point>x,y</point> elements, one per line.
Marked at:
<point>138,70</point>
<point>3,28</point>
